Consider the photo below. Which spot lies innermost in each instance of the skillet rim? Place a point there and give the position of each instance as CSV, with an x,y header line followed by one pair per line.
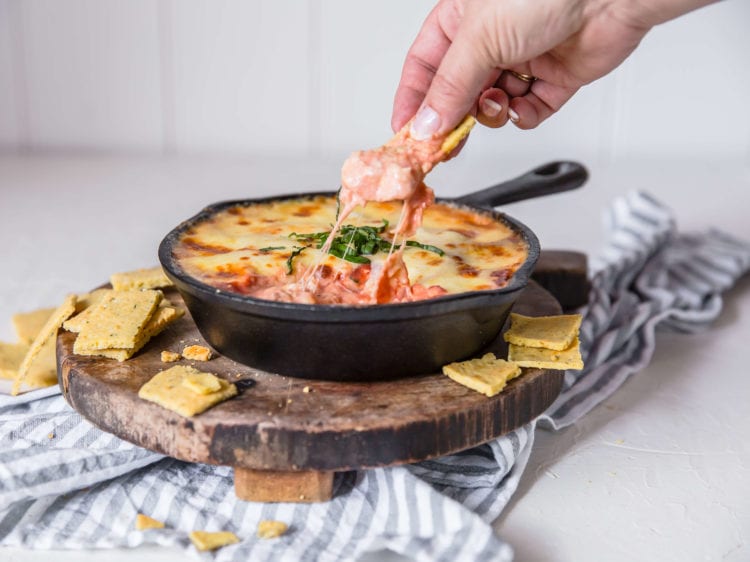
x,y
331,313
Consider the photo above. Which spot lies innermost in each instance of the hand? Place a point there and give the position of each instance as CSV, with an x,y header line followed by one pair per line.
x,y
465,56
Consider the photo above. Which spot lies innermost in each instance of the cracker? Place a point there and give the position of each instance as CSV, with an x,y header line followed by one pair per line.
x,y
167,390
11,356
549,332
162,318
43,371
87,300
203,540
48,331
547,358
117,321
29,324
170,356
143,522
85,308
269,529
152,278
202,383
487,374
196,353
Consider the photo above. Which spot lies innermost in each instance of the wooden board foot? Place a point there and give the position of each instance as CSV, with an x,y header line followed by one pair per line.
x,y
282,486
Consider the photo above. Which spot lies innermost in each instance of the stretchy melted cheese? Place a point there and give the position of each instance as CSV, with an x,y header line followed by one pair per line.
x,y
246,249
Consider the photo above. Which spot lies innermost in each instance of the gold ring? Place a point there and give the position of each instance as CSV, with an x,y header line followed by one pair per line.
x,y
528,78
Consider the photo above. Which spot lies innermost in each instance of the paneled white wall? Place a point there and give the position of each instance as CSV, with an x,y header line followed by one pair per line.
x,y
318,77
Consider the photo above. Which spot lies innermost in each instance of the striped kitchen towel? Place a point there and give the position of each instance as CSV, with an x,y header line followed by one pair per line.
x,y
65,484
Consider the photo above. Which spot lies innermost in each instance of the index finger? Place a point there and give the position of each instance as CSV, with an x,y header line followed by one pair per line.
x,y
422,62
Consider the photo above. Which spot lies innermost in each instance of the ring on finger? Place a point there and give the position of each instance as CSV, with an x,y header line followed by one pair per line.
x,y
528,78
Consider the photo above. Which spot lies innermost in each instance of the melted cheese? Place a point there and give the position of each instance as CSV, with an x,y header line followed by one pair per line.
x,y
245,249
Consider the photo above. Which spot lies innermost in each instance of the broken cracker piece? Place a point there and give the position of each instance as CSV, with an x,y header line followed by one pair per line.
x,y
549,332
151,278
269,529
196,353
170,356
117,321
547,358
204,540
487,374
29,324
48,331
168,391
143,522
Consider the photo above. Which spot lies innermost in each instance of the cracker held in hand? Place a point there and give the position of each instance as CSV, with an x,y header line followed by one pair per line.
x,y
186,391
487,375
549,332
203,540
547,358
117,321
152,278
46,333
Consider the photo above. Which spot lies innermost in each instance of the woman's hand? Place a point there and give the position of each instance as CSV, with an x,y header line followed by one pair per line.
x,y
469,54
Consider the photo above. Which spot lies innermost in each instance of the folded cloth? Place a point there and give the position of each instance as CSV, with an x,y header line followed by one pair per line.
x,y
66,484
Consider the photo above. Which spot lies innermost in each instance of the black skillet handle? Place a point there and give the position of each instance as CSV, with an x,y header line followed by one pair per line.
x,y
543,180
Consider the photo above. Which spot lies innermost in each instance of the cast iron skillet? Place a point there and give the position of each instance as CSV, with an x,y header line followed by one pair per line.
x,y
367,343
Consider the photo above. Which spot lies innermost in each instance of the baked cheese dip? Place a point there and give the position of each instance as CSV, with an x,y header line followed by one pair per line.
x,y
274,250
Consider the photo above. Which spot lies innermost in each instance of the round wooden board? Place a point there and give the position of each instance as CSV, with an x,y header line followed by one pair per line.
x,y
274,425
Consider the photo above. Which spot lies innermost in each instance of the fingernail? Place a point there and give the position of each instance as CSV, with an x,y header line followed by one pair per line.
x,y
513,116
425,124
491,108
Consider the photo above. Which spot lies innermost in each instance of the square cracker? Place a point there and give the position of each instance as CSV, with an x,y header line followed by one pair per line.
x,y
48,331
117,321
167,389
487,374
11,355
152,278
29,324
547,358
162,318
549,332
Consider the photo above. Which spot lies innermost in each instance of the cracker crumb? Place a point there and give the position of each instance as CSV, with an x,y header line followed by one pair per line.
x,y
269,529
196,353
203,540
170,356
307,390
50,436
143,522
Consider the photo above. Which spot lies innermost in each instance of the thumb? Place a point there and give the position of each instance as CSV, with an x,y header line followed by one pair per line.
x,y
458,82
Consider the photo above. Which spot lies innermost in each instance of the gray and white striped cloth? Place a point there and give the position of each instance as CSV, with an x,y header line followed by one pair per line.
x,y
66,484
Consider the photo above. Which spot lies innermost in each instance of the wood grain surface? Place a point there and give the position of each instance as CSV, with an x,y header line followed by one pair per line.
x,y
274,424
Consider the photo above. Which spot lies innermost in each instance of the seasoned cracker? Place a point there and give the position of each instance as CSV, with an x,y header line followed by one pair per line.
x,y
162,318
196,353
143,522
549,332
269,529
167,390
117,322
48,331
547,358
152,278
487,374
170,356
85,309
29,324
87,300
203,540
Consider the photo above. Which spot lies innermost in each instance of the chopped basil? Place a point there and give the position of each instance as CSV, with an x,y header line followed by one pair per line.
x,y
295,252
353,243
271,248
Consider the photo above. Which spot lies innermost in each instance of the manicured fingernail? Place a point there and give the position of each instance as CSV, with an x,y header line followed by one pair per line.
x,y
491,108
425,124
513,116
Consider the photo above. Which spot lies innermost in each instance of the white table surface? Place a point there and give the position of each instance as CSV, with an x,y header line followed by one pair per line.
x,y
659,471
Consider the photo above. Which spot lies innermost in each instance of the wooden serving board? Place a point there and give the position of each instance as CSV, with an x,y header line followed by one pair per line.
x,y
286,437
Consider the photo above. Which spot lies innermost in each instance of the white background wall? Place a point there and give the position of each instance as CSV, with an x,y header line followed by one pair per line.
x,y
318,78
